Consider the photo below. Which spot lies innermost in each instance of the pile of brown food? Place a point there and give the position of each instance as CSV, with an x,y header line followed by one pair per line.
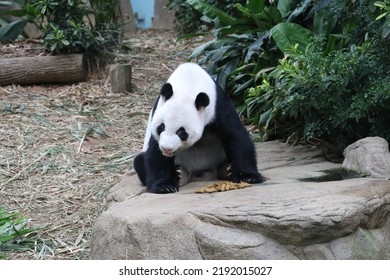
x,y
223,186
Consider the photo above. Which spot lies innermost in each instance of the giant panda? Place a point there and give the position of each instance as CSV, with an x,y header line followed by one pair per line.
x,y
194,127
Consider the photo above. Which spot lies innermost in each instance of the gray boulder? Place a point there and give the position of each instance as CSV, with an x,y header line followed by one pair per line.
x,y
283,218
369,156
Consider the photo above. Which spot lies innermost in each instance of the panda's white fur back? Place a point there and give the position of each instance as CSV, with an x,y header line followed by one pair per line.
x,y
187,81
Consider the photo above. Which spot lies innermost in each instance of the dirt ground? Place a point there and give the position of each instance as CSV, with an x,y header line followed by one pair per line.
x,y
63,146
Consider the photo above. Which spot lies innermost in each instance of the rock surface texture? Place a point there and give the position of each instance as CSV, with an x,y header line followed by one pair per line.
x,y
283,218
369,156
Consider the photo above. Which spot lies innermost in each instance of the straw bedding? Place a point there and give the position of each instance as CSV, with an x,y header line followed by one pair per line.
x,y
63,146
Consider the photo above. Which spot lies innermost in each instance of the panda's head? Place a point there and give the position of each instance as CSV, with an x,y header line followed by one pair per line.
x,y
179,119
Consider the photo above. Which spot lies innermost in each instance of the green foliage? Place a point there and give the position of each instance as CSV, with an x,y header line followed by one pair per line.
x,y
106,20
64,30
68,26
336,90
189,20
13,230
317,70
347,22
385,7
237,40
337,97
249,44
287,35
10,30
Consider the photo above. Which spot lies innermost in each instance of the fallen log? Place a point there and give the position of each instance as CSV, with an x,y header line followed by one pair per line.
x,y
43,70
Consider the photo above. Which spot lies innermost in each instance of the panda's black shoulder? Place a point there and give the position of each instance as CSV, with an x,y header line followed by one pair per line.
x,y
226,121
223,104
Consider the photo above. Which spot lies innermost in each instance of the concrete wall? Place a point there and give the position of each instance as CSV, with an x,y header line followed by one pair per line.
x,y
151,14
163,18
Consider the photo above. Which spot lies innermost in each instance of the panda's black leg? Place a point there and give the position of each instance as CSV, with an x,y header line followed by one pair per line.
x,y
244,169
161,170
239,148
242,158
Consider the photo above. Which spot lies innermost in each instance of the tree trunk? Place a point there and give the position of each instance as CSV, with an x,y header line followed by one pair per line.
x,y
120,78
43,70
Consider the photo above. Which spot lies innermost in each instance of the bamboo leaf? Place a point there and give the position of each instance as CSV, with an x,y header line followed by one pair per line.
x,y
12,30
226,70
265,118
284,7
244,10
287,35
15,13
190,36
256,47
380,16
214,44
300,10
255,6
219,16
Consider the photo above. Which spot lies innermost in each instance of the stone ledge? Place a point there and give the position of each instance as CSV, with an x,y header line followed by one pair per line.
x,y
283,218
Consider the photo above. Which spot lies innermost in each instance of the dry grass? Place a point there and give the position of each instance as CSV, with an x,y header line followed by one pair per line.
x,y
62,147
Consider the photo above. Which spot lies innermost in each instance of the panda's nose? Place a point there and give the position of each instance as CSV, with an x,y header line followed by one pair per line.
x,y
167,151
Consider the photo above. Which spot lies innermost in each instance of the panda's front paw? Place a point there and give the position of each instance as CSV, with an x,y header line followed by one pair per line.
x,y
178,173
163,188
248,178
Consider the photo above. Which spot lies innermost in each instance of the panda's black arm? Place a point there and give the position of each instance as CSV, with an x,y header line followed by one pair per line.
x,y
161,172
139,160
238,146
139,166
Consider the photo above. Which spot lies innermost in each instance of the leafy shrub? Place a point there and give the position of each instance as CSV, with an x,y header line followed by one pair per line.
x,y
353,19
385,7
64,30
186,19
334,90
336,98
249,44
189,20
67,26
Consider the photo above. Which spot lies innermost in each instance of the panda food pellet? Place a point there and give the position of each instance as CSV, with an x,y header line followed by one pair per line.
x,y
223,186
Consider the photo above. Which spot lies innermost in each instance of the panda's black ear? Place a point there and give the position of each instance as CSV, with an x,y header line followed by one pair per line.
x,y
166,91
202,100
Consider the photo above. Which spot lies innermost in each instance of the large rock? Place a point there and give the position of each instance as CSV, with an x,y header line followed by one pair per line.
x,y
369,156
283,218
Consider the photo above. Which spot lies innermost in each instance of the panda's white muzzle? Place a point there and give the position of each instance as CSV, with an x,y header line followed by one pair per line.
x,y
169,144
167,152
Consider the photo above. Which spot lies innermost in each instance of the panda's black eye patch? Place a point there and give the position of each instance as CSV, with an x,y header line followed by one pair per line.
x,y
160,128
182,133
